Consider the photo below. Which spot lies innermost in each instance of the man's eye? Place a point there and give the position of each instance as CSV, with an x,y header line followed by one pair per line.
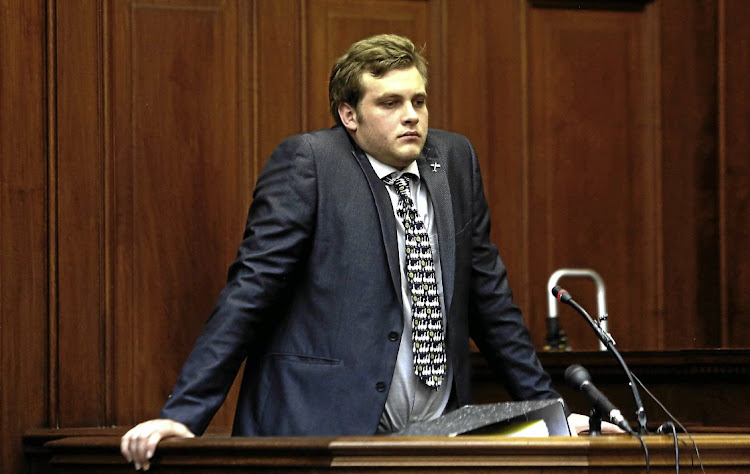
x,y
419,103
390,103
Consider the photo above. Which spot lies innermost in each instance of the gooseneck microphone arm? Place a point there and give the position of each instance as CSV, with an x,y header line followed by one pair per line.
x,y
563,296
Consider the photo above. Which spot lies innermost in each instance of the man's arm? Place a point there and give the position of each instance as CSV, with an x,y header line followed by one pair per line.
x,y
496,324
279,226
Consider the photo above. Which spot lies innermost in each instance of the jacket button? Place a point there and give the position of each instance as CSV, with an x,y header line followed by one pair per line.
x,y
380,386
393,336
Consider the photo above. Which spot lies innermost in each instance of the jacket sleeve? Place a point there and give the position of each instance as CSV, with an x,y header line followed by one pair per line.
x,y
275,243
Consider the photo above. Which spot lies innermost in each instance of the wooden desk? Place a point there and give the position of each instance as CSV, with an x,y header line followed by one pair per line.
x,y
92,452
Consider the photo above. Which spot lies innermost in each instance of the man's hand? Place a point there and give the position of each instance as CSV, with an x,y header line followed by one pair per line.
x,y
580,424
138,444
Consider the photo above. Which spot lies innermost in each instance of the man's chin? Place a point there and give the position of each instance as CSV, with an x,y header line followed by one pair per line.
x,y
399,158
411,152
407,159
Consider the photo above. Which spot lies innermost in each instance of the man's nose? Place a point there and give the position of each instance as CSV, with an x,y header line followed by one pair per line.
x,y
410,114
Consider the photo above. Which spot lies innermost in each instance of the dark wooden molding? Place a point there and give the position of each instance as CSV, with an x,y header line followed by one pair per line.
x,y
591,4
652,365
701,388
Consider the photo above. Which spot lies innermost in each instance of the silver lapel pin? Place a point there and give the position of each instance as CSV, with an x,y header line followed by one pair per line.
x,y
435,167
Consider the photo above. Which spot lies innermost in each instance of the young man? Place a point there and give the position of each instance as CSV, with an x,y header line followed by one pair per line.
x,y
365,268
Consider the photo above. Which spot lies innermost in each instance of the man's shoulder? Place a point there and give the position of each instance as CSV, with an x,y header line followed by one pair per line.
x,y
317,144
438,136
446,140
325,136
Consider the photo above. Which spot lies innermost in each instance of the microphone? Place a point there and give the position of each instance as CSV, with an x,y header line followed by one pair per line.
x,y
564,297
579,379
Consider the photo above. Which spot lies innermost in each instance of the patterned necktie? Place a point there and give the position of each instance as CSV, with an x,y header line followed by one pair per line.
x,y
428,341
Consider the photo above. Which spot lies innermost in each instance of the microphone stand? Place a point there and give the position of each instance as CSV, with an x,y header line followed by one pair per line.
x,y
595,422
564,297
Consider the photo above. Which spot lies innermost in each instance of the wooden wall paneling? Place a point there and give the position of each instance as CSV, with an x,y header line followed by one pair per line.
x,y
486,100
80,381
182,112
594,167
735,174
436,45
23,225
690,196
279,78
333,25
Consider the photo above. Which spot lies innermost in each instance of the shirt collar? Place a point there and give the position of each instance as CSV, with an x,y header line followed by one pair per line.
x,y
383,170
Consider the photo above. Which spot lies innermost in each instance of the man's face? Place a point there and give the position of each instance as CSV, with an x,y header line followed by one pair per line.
x,y
390,121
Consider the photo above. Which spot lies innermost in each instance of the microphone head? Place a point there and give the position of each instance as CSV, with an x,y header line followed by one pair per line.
x,y
561,294
576,375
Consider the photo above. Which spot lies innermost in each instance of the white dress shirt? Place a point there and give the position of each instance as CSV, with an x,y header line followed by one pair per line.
x,y
409,399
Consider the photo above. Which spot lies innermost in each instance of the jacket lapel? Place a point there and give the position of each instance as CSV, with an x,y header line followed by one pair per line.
x,y
435,177
385,214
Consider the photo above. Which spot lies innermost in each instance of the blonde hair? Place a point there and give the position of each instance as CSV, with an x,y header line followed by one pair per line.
x,y
376,55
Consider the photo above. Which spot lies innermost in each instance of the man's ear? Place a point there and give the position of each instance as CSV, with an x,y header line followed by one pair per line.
x,y
348,115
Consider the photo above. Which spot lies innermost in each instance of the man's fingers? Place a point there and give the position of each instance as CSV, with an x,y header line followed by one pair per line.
x,y
125,446
144,444
150,445
580,424
139,444
610,428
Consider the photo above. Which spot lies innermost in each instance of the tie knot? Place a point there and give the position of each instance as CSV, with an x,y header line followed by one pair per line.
x,y
400,184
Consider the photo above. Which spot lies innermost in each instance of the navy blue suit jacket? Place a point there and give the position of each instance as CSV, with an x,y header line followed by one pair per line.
x,y
313,297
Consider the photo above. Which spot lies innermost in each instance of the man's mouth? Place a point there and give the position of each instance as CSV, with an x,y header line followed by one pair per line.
x,y
410,134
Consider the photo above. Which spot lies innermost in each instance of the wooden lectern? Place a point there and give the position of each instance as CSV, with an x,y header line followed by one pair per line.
x,y
98,451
